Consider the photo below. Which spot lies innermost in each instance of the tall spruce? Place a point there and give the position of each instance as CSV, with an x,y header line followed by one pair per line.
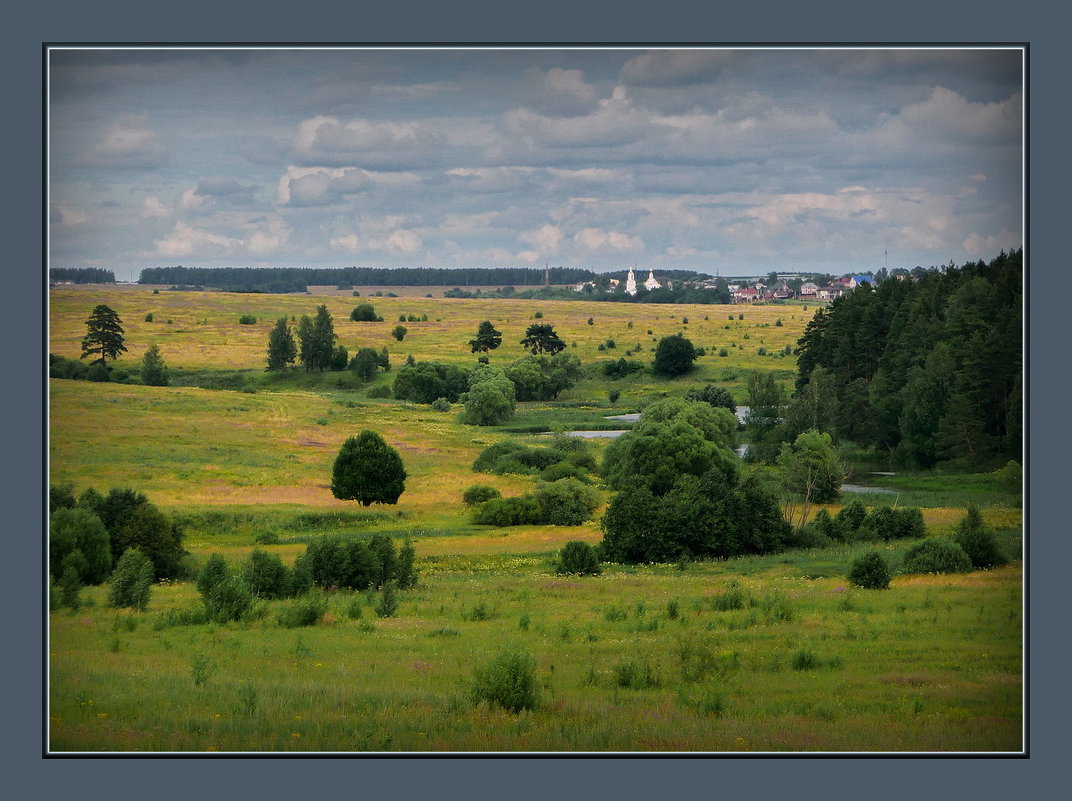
x,y
104,335
282,350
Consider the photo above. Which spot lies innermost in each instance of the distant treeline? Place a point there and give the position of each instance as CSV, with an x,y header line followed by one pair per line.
x,y
297,279
81,275
930,370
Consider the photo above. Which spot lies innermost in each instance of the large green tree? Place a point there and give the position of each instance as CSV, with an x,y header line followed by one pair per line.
x,y
674,355
490,399
368,470
317,340
282,350
487,338
104,335
810,468
78,530
541,338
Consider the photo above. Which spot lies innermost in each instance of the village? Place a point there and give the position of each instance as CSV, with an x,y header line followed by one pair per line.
x,y
785,287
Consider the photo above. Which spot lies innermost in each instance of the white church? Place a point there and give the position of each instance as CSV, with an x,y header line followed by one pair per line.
x,y
631,285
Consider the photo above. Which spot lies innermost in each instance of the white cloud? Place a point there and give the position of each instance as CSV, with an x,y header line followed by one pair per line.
x,y
325,140
348,243
129,142
319,186
547,239
674,66
403,242
152,206
982,246
594,241
185,240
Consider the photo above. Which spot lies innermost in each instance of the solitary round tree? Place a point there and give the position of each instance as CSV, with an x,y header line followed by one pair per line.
x,y
104,335
368,470
674,355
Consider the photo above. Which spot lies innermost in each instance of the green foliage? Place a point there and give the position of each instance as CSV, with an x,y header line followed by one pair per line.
x,y
267,576
810,467
577,558
441,405
405,566
365,313
355,564
508,681
153,370
304,611
388,603
541,338
381,391
399,332
544,377
870,571
478,493
133,522
423,382
887,523
131,581
635,674
621,368
674,356
487,338
567,502
715,396
490,399
936,555
149,317
282,349
104,335
673,438
365,362
519,511
214,571
714,516
978,541
247,319
766,408
849,519
368,470
79,530
70,582
229,599
61,497
339,358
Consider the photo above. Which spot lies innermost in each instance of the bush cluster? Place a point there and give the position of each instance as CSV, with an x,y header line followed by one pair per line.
x,y
936,555
870,571
854,523
578,558
358,564
978,541
565,457
621,368
508,681
567,502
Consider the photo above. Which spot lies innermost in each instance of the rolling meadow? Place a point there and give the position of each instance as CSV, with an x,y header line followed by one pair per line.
x,y
775,653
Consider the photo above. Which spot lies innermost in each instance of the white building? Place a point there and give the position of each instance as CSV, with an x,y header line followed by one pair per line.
x,y
651,283
630,283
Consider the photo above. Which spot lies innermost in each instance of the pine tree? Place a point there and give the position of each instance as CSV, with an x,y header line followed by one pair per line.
x,y
487,338
104,335
282,350
153,370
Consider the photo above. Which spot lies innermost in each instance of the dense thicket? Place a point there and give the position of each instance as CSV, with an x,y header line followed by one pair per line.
x,y
81,275
930,370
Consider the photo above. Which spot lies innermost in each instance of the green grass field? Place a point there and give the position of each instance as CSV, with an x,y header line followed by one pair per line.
x,y
638,659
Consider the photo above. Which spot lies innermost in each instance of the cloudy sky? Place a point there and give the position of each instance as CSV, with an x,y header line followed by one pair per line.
x,y
735,161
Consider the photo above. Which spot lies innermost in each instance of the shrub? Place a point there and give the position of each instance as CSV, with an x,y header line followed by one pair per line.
x,y
131,581
381,391
520,511
441,405
267,576
936,555
635,675
848,520
388,603
70,579
977,541
149,317
478,493
365,313
508,681
79,530
304,611
405,569
399,332
565,503
229,599
886,523
247,319
577,558
214,571
621,368
716,396
870,571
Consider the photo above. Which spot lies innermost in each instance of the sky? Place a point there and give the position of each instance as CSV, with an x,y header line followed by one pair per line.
x,y
724,161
